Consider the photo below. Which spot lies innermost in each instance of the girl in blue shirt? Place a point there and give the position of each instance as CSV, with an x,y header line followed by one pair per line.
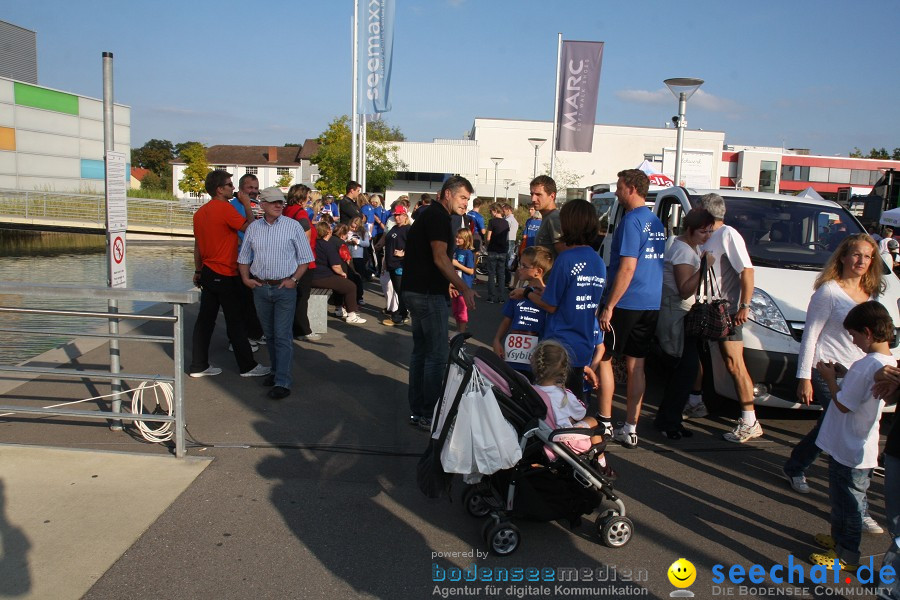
x,y
464,263
572,294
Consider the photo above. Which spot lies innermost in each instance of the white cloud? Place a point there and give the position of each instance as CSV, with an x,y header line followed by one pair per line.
x,y
663,96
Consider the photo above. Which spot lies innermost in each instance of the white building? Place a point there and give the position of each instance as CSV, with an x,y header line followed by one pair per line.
x,y
614,148
268,163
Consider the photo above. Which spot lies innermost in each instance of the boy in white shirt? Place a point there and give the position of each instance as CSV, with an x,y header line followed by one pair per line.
x,y
849,433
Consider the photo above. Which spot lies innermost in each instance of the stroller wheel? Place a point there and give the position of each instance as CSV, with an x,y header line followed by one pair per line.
x,y
503,538
616,531
474,503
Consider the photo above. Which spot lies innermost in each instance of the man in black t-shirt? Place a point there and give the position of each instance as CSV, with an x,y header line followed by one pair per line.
x,y
427,273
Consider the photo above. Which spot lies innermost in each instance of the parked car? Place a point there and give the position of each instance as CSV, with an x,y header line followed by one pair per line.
x,y
789,240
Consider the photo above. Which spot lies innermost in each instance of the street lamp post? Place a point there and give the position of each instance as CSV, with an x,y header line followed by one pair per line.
x,y
496,161
537,143
683,88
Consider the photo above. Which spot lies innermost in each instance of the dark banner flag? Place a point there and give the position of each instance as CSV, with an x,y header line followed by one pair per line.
x,y
579,81
376,49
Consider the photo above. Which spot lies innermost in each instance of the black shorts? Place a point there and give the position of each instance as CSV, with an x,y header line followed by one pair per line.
x,y
632,333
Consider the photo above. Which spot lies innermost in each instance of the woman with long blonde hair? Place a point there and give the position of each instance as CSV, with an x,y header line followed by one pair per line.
x,y
852,275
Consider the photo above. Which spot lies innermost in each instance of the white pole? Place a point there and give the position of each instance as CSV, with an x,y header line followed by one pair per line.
x,y
363,136
109,145
354,133
555,105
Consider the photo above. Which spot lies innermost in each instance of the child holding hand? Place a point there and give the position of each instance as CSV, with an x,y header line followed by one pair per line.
x,y
464,263
849,433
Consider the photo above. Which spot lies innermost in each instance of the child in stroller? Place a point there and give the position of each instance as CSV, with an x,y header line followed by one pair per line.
x,y
550,365
551,481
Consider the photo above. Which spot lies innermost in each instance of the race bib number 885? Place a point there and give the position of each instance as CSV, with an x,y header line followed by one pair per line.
x,y
518,347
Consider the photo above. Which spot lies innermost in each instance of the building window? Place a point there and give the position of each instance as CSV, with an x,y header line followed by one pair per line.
x,y
314,177
251,170
767,175
839,175
794,173
818,174
282,171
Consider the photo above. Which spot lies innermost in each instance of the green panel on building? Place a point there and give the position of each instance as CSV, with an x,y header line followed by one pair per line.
x,y
36,97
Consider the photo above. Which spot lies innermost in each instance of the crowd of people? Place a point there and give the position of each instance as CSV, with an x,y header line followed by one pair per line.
x,y
555,288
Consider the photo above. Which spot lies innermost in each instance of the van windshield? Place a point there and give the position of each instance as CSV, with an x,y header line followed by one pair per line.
x,y
789,234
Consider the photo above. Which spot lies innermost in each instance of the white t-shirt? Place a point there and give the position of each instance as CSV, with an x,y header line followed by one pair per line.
x,y
513,228
679,253
824,336
851,438
727,245
566,407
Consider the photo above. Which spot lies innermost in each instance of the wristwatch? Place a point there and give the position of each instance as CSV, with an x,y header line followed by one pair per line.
x,y
743,305
528,289
294,279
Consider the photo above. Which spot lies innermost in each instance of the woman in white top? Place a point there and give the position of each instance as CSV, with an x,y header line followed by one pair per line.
x,y
851,276
681,276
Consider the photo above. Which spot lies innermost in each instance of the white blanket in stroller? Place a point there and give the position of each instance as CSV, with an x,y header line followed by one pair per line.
x,y
481,441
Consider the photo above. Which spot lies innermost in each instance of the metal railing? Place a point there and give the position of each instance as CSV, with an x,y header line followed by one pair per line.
x,y
89,209
176,300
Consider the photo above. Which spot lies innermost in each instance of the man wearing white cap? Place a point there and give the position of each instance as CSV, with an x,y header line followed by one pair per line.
x,y
273,257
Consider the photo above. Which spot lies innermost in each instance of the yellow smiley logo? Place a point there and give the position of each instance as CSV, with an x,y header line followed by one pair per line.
x,y
682,573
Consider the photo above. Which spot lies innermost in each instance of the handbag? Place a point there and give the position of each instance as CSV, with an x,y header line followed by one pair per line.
x,y
709,317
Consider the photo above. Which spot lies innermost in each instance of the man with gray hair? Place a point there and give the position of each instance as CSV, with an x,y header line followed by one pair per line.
x,y
735,279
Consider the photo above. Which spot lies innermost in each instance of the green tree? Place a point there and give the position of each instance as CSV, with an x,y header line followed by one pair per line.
x,y
285,179
895,155
880,153
333,156
154,155
856,153
194,154
180,148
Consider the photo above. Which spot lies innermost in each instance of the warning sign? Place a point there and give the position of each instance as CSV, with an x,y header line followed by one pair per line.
x,y
117,274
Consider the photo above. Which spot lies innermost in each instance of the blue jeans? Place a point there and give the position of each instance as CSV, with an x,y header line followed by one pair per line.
x,y
275,307
496,272
431,347
847,489
892,508
806,452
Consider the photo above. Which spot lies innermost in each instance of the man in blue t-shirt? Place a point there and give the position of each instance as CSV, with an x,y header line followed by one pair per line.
x,y
632,305
480,231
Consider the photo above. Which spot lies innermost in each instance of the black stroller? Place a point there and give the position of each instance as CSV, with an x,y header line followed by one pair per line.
x,y
550,482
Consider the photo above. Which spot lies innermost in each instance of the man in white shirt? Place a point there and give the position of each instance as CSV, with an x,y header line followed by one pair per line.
x,y
735,279
511,238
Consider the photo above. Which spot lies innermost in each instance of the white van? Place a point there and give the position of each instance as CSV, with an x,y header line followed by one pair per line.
x,y
789,240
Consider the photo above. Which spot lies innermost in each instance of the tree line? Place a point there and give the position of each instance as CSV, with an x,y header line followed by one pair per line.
x,y
880,153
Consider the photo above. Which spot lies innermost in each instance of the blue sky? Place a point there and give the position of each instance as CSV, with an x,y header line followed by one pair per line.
x,y
803,73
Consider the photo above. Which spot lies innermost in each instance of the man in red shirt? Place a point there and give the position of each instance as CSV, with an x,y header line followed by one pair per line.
x,y
216,224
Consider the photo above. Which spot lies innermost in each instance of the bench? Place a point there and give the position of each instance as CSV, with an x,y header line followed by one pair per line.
x,y
317,310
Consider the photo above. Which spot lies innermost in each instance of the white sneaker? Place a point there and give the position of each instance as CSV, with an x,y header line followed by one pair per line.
x,y
312,337
257,371
798,483
209,372
340,313
870,525
361,302
355,319
743,433
629,440
260,342
254,346
694,411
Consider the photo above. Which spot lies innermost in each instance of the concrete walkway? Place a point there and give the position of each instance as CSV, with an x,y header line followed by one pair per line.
x,y
315,496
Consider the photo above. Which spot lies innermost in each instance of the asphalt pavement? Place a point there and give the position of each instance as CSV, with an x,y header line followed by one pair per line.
x,y
315,496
